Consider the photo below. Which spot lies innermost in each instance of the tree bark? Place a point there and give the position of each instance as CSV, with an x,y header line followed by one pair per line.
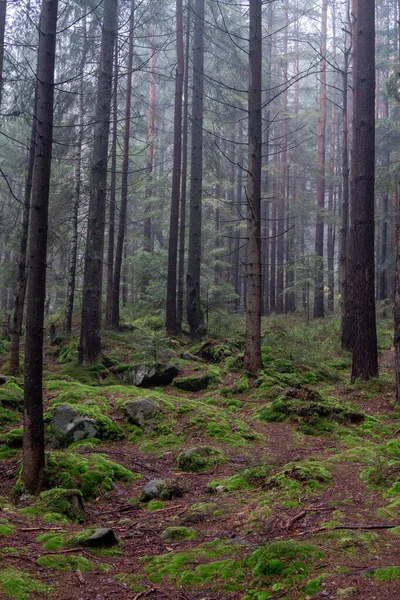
x,y
69,305
124,178
90,341
319,227
252,354
194,311
3,11
18,317
172,322
365,355
113,196
147,233
182,216
33,433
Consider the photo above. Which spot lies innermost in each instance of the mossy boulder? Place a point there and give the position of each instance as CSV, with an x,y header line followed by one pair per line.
x,y
193,383
70,424
175,534
13,438
147,374
64,502
198,513
140,412
199,459
160,488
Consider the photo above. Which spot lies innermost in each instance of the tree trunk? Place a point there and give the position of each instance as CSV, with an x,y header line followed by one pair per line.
x,y
147,233
281,199
194,311
90,341
69,305
33,434
252,354
397,309
319,227
172,322
365,356
3,11
16,330
344,283
124,178
182,216
113,196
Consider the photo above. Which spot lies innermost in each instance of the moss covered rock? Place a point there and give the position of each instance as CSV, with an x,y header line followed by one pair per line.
x,y
174,534
65,502
146,374
193,383
197,460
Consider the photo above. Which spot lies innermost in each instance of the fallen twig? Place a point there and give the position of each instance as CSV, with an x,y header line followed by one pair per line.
x,y
349,527
144,594
41,529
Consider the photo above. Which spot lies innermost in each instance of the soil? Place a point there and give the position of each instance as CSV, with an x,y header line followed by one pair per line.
x,y
139,529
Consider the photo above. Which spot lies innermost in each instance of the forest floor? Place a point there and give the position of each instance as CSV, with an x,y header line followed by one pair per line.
x,y
301,502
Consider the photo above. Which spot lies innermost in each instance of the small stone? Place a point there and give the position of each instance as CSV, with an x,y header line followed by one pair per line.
x,y
102,538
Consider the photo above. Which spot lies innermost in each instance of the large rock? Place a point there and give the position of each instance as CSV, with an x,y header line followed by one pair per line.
x,y
148,375
193,383
102,538
140,412
69,423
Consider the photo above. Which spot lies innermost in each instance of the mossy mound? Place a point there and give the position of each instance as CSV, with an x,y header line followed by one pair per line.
x,y
288,562
91,475
217,563
68,503
175,534
20,586
307,473
200,459
311,410
212,351
198,513
11,396
65,562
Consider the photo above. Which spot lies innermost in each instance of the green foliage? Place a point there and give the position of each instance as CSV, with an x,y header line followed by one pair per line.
x,y
19,585
11,396
68,503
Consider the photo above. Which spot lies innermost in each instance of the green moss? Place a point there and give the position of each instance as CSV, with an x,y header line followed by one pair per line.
x,y
65,562
290,561
6,529
64,502
11,396
230,484
386,574
155,505
173,534
107,430
309,473
7,417
179,567
19,585
13,438
198,513
311,410
199,459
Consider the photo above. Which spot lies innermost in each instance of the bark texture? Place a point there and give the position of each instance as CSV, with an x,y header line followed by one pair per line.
x,y
365,356
90,341
194,311
252,355
33,436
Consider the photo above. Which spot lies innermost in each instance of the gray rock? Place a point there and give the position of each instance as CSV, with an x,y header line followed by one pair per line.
x,y
147,375
71,424
153,489
140,412
102,538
